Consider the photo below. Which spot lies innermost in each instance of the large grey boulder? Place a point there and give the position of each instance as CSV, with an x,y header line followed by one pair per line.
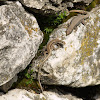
x,y
18,94
8,85
20,37
78,63
85,1
44,7
56,1
47,7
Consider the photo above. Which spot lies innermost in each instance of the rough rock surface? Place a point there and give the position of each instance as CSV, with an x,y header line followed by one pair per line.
x,y
78,63
97,97
56,1
46,7
18,94
8,85
85,1
20,37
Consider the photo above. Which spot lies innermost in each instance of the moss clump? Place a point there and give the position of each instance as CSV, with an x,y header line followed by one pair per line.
x,y
26,81
93,4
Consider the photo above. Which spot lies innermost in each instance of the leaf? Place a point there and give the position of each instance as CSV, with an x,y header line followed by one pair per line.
x,y
27,75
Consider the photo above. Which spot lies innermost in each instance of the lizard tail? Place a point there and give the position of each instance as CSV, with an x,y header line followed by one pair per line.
x,y
40,71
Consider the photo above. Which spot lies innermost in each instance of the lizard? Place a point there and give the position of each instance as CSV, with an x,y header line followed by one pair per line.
x,y
50,48
79,11
75,22
49,51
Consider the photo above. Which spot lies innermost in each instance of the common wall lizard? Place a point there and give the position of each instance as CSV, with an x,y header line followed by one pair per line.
x,y
49,51
75,22
79,11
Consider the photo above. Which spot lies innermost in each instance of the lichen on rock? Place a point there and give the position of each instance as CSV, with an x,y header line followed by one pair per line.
x,y
20,37
77,64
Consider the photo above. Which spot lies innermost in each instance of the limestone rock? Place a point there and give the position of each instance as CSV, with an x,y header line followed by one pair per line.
x,y
1,93
54,7
97,96
18,94
20,37
85,1
8,85
58,96
56,1
38,4
78,63
45,7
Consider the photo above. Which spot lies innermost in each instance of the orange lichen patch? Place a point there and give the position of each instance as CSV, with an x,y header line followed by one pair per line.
x,y
22,22
11,26
29,30
65,48
35,29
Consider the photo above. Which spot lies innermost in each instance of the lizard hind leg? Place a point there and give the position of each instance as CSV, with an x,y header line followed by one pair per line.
x,y
45,53
83,22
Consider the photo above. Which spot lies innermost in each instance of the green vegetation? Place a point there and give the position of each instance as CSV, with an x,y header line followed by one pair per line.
x,y
53,22
60,18
29,77
93,4
48,30
47,25
26,80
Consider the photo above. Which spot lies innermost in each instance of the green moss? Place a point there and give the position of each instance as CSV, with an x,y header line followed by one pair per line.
x,y
69,16
93,4
33,85
26,81
48,24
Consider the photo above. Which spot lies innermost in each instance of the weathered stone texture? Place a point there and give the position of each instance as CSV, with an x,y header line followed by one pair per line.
x,y
20,37
18,94
54,7
78,63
